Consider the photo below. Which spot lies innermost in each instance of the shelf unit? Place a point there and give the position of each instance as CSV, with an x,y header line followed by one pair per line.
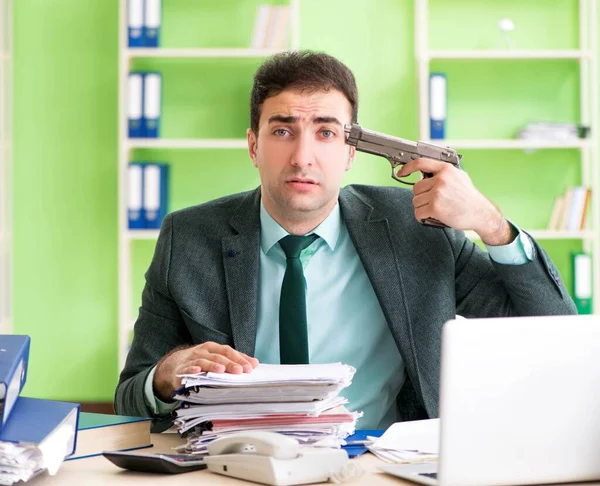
x,y
6,326
126,236
586,55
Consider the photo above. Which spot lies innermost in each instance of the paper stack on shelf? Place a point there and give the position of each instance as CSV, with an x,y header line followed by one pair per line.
x,y
552,131
301,401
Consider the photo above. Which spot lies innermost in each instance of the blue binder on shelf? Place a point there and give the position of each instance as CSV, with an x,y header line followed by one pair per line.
x,y
152,105
39,422
135,104
14,358
438,104
152,16
135,23
136,218
582,282
155,194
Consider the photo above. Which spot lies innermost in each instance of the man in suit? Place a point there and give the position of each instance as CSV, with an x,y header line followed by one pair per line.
x,y
379,285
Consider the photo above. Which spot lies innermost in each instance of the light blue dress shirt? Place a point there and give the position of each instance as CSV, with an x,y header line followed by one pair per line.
x,y
345,320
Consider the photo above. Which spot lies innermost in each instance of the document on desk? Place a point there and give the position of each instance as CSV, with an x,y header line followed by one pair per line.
x,y
403,442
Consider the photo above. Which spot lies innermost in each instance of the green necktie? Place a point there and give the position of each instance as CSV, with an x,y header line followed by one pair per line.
x,y
293,333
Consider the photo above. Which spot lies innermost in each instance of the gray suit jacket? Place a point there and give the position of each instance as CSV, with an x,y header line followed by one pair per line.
x,y
202,285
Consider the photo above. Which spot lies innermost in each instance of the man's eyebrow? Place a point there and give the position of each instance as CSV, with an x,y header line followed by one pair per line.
x,y
290,119
283,119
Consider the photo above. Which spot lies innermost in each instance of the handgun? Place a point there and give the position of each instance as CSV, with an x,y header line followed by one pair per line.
x,y
399,152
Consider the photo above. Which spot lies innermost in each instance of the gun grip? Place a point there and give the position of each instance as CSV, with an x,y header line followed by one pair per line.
x,y
433,223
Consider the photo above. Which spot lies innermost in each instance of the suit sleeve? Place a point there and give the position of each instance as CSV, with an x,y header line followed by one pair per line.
x,y
485,288
158,330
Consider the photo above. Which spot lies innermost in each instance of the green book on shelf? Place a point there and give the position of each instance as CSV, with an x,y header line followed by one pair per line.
x,y
98,432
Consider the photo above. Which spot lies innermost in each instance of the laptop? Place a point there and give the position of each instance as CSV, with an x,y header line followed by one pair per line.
x,y
519,403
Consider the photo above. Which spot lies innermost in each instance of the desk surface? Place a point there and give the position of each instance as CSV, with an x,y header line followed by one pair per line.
x,y
99,471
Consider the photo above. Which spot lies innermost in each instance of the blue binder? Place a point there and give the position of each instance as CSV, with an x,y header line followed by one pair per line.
x,y
34,421
136,218
152,15
14,357
438,94
135,104
152,104
135,22
155,194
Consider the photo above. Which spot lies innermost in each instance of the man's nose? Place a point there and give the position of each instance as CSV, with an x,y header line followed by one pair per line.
x,y
303,154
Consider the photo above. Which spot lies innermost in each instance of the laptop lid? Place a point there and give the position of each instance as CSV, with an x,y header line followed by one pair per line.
x,y
520,401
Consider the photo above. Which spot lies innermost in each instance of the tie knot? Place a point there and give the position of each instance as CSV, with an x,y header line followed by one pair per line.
x,y
293,245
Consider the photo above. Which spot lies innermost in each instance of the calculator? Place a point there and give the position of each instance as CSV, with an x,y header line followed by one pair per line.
x,y
156,463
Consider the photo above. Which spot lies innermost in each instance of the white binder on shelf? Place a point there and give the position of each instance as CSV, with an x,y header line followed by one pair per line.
x,y
155,194
438,104
135,90
152,104
152,18
135,194
135,20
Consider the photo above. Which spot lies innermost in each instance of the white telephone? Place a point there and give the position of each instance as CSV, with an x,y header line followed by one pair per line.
x,y
272,458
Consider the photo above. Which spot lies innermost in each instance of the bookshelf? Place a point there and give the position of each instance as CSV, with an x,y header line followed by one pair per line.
x,y
191,55
5,166
584,55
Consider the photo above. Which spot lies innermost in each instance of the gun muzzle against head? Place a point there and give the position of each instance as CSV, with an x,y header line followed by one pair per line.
x,y
399,152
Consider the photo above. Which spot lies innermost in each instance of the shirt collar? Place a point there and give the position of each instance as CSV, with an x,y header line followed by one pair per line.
x,y
271,232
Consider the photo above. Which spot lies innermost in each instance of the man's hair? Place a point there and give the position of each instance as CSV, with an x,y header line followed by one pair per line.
x,y
303,71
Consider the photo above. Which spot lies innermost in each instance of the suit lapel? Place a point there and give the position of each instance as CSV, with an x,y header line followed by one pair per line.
x,y
241,254
373,243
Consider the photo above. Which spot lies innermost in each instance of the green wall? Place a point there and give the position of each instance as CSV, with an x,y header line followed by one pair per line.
x,y
65,140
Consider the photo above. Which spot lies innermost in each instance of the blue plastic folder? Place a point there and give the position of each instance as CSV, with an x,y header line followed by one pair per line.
x,y
356,449
14,356
33,421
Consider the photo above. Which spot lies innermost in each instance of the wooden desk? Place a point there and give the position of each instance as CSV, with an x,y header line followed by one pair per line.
x,y
98,471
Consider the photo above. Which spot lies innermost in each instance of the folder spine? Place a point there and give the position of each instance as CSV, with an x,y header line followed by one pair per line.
x,y
135,101
135,196
438,92
152,19
135,19
14,359
582,282
152,104
155,194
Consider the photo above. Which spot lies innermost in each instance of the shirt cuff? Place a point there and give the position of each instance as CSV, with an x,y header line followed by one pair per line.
x,y
518,252
158,406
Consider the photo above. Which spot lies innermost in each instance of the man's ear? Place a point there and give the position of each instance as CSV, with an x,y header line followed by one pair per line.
x,y
351,155
252,143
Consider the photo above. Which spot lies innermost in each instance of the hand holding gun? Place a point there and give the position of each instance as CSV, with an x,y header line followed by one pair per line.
x,y
399,152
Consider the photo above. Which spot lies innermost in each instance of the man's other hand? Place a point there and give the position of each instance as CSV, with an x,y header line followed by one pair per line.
x,y
208,356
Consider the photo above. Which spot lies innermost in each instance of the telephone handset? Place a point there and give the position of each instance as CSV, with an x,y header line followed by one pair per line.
x,y
271,458
277,446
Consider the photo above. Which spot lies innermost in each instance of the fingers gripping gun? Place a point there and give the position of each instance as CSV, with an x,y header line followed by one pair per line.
x,y
399,152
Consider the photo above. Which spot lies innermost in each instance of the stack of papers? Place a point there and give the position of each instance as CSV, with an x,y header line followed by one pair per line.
x,y
301,401
552,131
408,442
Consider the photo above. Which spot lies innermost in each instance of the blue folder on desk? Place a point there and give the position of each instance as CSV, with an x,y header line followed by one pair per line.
x,y
14,354
35,421
354,450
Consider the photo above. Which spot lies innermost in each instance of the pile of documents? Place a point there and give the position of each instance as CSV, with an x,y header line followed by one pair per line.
x,y
408,442
301,401
35,435
552,131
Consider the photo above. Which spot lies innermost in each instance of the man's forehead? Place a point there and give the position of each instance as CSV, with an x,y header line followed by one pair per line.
x,y
307,105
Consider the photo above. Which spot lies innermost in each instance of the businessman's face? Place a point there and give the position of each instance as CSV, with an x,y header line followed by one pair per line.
x,y
301,154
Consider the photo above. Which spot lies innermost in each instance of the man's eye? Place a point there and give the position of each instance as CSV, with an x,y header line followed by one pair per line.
x,y
327,133
281,132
